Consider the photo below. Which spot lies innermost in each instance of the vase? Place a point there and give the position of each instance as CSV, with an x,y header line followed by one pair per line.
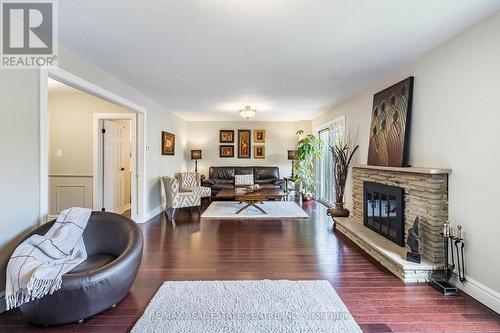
x,y
338,211
306,197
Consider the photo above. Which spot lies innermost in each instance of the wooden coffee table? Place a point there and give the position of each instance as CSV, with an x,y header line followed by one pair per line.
x,y
251,199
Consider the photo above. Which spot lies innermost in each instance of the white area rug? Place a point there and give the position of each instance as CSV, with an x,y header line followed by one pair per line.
x,y
275,210
247,307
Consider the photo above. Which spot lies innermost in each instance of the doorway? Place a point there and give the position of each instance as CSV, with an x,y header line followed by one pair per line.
x,y
133,119
114,147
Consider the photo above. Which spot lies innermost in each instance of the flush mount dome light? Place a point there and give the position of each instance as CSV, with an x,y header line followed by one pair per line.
x,y
248,112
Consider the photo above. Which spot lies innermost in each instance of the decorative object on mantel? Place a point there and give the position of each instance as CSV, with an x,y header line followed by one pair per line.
x,y
308,148
390,126
342,153
413,242
454,246
244,143
167,143
248,112
292,157
196,155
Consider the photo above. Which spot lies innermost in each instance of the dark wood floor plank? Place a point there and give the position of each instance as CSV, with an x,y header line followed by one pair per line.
x,y
279,249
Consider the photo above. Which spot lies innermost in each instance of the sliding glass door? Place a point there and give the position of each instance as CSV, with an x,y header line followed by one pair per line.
x,y
329,134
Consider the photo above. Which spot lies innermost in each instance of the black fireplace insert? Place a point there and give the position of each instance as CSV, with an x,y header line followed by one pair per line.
x,y
384,209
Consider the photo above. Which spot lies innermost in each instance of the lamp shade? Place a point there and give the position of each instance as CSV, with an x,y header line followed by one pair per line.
x,y
196,154
291,154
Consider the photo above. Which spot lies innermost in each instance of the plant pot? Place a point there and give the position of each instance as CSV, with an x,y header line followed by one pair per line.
x,y
338,211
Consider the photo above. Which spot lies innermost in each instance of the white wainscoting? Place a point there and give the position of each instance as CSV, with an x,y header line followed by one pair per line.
x,y
69,191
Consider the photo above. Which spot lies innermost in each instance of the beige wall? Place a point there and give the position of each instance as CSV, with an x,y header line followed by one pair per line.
x,y
19,167
71,121
280,137
455,124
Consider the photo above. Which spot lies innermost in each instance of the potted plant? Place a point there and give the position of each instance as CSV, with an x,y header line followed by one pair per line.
x,y
308,148
342,153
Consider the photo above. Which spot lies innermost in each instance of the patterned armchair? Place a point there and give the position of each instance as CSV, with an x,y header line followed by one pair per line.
x,y
177,199
191,182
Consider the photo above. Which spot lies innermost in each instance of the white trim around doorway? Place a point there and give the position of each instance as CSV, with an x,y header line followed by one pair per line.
x,y
92,89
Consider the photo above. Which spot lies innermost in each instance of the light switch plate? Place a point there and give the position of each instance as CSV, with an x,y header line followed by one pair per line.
x,y
59,152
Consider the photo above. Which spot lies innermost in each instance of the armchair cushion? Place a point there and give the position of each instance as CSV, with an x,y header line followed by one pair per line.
x,y
188,180
202,191
187,199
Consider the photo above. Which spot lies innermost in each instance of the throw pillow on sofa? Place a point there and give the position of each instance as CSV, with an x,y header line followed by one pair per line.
x,y
243,180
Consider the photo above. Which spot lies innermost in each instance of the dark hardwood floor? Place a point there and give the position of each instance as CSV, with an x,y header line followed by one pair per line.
x,y
296,250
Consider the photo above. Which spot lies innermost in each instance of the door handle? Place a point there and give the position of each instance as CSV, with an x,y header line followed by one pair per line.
x,y
122,169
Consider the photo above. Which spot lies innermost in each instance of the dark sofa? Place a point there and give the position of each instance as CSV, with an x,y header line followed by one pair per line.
x,y
223,177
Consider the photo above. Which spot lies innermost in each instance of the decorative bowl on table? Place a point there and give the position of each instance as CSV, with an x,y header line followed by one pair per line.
x,y
252,188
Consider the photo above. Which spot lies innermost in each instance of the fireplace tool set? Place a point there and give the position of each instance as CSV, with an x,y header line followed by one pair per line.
x,y
453,244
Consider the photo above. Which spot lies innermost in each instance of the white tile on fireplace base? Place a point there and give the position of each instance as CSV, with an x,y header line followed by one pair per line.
x,y
389,254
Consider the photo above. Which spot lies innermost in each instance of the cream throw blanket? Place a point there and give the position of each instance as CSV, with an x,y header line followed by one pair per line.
x,y
37,265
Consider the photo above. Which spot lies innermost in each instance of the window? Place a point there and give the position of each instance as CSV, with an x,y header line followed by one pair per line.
x,y
328,133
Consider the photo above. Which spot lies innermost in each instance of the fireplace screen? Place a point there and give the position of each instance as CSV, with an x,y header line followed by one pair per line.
x,y
383,207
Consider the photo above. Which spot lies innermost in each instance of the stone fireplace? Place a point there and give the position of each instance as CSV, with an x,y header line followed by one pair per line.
x,y
424,193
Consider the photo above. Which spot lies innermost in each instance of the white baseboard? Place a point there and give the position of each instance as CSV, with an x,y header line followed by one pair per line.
x,y
152,213
478,291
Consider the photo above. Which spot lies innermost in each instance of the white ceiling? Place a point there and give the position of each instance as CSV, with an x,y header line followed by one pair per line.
x,y
289,59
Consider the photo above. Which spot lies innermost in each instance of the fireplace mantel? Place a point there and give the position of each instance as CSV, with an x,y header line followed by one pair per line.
x,y
424,171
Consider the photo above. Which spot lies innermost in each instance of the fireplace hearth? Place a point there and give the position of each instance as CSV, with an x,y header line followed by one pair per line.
x,y
383,207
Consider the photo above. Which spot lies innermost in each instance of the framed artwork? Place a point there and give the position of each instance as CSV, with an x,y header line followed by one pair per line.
x,y
226,136
226,151
390,126
167,143
259,136
244,143
259,152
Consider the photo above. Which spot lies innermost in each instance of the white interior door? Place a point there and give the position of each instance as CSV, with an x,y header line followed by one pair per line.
x,y
114,172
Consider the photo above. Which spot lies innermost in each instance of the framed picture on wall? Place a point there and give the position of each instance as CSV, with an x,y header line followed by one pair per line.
x,y
259,152
259,136
167,143
226,136
390,126
226,151
244,143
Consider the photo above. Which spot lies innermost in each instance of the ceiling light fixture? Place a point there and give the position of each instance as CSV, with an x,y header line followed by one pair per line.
x,y
248,112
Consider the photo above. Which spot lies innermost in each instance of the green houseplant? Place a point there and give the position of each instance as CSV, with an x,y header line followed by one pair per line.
x,y
342,153
308,148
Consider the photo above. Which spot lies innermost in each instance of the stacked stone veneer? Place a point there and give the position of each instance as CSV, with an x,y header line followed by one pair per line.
x,y
425,195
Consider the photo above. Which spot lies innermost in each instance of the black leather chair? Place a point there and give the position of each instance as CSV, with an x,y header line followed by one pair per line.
x,y
114,247
223,177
